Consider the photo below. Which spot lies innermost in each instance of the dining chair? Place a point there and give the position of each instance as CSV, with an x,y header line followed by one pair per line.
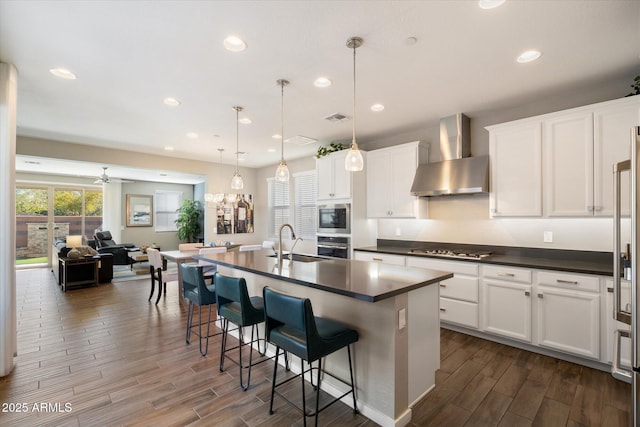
x,y
290,325
209,269
157,272
245,248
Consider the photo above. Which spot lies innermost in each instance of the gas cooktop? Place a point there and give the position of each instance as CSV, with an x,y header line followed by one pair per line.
x,y
452,253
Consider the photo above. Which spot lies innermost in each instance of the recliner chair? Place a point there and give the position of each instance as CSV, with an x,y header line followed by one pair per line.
x,y
106,245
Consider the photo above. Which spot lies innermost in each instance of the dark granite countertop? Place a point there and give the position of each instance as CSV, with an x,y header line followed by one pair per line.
x,y
367,281
585,262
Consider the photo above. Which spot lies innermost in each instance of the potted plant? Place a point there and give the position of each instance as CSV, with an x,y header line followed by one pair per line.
x,y
187,221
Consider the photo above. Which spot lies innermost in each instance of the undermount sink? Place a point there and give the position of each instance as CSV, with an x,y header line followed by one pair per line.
x,y
300,257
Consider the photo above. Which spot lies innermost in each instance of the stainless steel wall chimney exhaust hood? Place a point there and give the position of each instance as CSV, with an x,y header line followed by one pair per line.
x,y
457,173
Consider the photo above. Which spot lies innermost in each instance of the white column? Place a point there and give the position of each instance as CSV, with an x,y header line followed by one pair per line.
x,y
112,210
8,106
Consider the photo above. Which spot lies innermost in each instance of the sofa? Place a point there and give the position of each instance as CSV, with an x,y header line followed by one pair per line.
x,y
78,272
106,245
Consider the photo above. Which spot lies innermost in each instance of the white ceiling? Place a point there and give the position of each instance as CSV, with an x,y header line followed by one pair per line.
x,y
130,55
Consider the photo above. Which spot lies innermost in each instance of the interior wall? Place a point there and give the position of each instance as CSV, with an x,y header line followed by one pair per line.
x,y
465,219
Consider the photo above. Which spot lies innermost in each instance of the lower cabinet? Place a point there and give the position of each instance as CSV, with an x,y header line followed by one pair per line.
x,y
458,295
380,257
506,309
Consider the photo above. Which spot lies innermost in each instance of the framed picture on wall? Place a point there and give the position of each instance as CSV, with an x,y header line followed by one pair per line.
x,y
139,210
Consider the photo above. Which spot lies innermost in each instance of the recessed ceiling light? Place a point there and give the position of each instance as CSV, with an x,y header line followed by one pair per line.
x,y
172,102
271,150
377,107
245,121
528,56
168,148
276,136
63,73
489,4
192,135
322,82
234,44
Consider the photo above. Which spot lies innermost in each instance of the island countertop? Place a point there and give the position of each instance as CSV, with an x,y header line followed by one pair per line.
x,y
367,281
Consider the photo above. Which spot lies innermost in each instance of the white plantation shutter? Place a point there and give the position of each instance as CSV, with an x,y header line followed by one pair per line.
x,y
165,205
278,205
305,212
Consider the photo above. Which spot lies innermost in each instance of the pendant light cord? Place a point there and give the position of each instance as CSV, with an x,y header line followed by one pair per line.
x,y
353,142
282,84
237,136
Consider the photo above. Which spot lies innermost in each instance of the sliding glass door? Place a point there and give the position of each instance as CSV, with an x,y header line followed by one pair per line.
x,y
44,214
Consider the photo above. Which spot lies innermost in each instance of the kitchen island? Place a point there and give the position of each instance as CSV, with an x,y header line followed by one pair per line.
x,y
394,309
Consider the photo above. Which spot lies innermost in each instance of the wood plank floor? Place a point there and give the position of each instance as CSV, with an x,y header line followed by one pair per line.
x,y
118,360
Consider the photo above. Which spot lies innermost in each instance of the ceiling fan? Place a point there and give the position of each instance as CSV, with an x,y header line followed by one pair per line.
x,y
105,179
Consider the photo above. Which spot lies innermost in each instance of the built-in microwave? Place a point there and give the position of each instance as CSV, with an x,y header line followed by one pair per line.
x,y
334,218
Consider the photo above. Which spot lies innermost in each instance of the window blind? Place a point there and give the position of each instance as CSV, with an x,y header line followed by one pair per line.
x,y
278,205
165,205
305,211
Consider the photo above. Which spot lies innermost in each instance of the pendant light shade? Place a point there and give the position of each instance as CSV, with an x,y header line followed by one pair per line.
x,y
236,181
354,162
282,172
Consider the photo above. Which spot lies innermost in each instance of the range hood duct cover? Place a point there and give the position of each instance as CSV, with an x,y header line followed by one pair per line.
x,y
457,173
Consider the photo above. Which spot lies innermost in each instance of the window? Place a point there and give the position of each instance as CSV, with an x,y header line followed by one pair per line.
x,y
305,204
278,205
166,205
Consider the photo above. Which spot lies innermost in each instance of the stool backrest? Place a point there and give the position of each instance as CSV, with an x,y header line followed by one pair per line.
x,y
155,259
233,290
281,309
193,284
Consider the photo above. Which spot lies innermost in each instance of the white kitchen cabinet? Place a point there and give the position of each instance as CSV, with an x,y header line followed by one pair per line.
x,y
390,173
612,123
380,257
334,181
610,324
568,164
568,312
516,169
458,295
506,302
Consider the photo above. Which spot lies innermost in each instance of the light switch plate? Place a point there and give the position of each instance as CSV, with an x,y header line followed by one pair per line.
x,y
398,231
402,318
547,237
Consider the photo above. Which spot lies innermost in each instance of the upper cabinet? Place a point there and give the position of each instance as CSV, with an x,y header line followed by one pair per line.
x,y
390,173
566,156
334,181
516,169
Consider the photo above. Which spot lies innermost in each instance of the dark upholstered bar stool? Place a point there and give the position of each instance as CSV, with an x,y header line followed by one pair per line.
x,y
290,325
237,307
200,294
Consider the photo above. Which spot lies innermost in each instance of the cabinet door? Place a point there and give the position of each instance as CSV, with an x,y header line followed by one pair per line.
x,y
404,161
324,170
568,164
612,137
569,321
460,312
516,170
379,178
341,177
506,309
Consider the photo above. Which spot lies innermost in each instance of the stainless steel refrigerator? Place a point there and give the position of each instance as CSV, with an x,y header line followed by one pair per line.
x,y
625,264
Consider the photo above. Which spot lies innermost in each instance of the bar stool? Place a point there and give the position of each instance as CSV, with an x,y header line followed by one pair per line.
x,y
237,307
197,292
291,325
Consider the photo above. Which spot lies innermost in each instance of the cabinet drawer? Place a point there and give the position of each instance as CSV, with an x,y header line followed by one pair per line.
x,y
507,273
458,267
460,312
460,287
382,258
569,281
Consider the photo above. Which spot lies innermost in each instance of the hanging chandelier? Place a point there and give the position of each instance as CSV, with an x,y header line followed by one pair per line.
x,y
282,172
354,162
236,181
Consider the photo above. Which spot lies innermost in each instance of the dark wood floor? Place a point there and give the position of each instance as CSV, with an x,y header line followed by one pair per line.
x,y
118,360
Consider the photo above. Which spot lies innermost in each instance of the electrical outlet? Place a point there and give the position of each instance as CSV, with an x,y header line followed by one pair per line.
x,y
547,237
402,318
398,231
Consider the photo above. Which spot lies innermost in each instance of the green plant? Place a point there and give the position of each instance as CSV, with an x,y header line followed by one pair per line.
x,y
331,148
635,86
187,221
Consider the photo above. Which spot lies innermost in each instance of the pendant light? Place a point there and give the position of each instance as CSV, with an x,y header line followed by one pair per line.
x,y
236,181
282,172
354,162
